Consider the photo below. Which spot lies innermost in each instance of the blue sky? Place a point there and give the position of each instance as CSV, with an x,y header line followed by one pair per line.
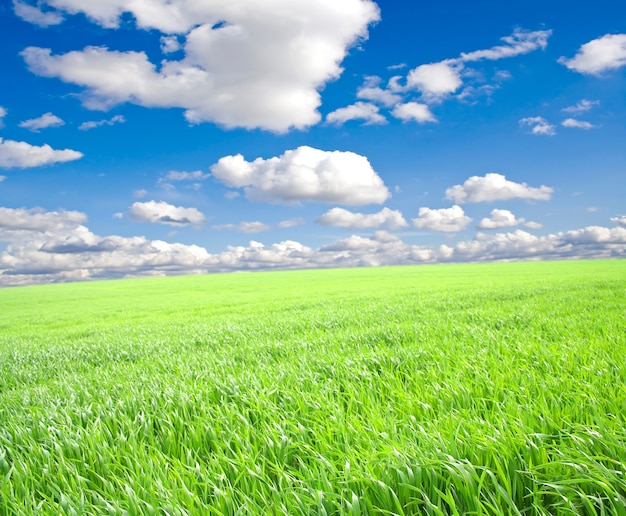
x,y
154,138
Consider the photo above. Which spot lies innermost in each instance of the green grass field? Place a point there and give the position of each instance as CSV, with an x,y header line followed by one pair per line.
x,y
450,389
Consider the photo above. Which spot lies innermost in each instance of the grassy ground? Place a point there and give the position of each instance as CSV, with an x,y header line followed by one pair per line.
x,y
455,389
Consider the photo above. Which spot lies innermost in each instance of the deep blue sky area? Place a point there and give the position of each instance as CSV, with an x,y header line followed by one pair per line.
x,y
193,137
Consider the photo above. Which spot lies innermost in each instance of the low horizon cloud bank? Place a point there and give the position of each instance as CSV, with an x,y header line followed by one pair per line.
x,y
56,246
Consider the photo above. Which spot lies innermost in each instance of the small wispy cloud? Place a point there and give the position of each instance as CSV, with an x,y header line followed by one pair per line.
x,y
117,119
538,125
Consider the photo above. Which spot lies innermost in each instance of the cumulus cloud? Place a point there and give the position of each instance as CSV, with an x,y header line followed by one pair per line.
x,y
599,55
495,187
435,80
304,174
445,219
619,221
170,44
438,80
15,154
500,219
339,217
244,227
44,121
164,213
246,64
371,90
413,111
538,125
117,119
358,111
581,107
56,246
35,15
577,124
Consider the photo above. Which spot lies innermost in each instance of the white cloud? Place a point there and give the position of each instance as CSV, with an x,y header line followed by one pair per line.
x,y
3,113
117,119
577,124
371,90
24,155
520,42
532,225
290,223
538,125
247,64
500,219
140,194
35,15
164,213
495,187
44,121
599,55
413,111
244,227
435,80
619,221
196,175
357,111
55,246
339,217
445,219
2,178
304,174
581,107
170,44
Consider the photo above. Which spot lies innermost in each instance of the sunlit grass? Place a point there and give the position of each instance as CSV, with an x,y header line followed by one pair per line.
x,y
457,389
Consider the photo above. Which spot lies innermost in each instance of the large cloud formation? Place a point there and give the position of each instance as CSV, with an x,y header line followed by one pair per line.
x,y
56,246
247,64
304,174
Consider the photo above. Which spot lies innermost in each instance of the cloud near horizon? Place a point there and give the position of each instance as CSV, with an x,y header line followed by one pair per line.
x,y
495,187
49,247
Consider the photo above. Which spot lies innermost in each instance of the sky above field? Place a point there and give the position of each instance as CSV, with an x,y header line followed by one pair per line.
x,y
184,136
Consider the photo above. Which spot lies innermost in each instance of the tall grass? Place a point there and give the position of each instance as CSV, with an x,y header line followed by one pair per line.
x,y
470,390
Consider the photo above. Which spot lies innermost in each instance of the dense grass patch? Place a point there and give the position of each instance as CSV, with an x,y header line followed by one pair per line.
x,y
456,389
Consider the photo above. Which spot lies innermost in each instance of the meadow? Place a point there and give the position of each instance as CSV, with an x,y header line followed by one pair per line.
x,y
476,389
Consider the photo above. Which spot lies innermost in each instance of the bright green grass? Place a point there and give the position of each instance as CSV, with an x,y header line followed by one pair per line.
x,y
455,389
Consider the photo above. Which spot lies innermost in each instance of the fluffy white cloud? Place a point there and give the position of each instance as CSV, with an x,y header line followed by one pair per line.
x,y
445,219
357,111
581,107
304,174
24,155
244,227
413,111
500,219
495,187
117,119
42,122
164,213
577,124
55,246
435,80
35,15
170,44
247,64
538,125
619,221
339,217
599,55
371,90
